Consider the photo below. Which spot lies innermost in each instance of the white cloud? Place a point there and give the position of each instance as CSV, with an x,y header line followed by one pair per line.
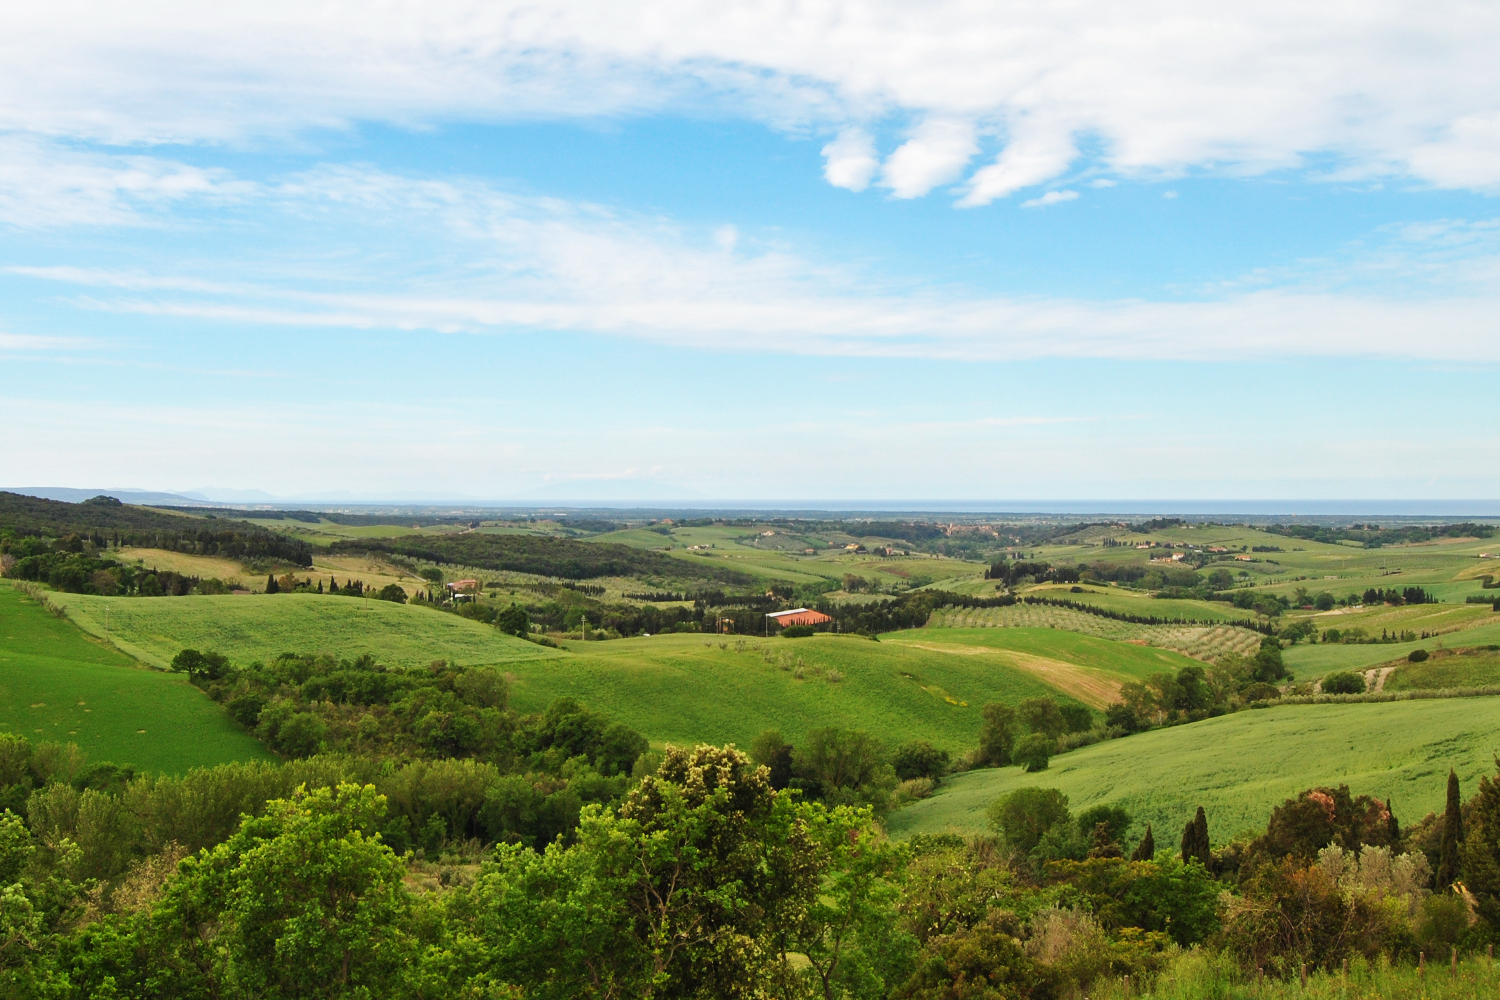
x,y
850,160
1050,198
45,184
1026,160
1160,88
936,153
33,342
535,264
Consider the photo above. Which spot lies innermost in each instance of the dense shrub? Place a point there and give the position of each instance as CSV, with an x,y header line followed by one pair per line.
x,y
1416,656
1343,682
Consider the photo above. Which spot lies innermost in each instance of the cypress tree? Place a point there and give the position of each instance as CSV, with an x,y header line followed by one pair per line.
x,y
271,585
1200,830
1453,832
1146,849
1195,845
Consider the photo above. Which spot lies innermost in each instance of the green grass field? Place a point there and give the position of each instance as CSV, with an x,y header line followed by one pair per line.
x,y
252,627
674,688
1309,661
1240,766
57,684
1470,670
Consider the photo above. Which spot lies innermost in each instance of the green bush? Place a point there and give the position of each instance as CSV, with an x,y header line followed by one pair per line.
x,y
1345,682
1025,815
919,759
796,631
1416,656
1032,751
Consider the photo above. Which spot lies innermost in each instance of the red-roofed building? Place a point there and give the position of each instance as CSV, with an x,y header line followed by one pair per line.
x,y
799,616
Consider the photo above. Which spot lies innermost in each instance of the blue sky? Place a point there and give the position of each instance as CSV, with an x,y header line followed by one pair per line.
x,y
752,251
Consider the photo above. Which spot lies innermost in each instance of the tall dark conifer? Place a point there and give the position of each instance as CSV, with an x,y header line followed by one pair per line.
x,y
271,585
1200,835
1146,849
1453,832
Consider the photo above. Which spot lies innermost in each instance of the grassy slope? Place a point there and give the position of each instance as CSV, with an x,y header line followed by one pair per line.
x,y
1240,766
259,627
1469,671
1307,662
673,688
57,684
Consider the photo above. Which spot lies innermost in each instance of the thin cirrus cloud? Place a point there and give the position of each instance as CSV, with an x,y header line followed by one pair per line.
x,y
541,264
1377,89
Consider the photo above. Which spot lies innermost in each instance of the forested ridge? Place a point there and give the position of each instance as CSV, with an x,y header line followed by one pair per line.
x,y
105,521
556,557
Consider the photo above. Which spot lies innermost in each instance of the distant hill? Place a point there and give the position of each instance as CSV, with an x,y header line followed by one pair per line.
x,y
68,494
107,521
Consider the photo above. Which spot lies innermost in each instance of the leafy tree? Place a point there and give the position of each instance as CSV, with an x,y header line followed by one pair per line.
x,y
919,759
676,896
200,666
997,734
847,930
1041,715
1343,682
304,901
1301,827
392,592
1267,664
844,766
770,751
1077,718
1117,819
1025,815
514,621
1033,751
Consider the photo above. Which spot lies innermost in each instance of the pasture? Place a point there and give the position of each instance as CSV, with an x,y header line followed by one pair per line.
x,y
251,627
689,689
57,684
1470,668
1238,767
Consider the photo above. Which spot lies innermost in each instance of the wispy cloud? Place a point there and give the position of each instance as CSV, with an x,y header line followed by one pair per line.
x,y
483,260
1050,198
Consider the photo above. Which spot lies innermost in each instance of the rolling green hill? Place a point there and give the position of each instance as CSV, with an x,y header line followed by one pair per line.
x,y
251,627
57,684
689,689
1240,766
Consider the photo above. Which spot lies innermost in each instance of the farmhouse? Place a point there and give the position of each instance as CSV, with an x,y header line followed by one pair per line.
x,y
463,589
798,616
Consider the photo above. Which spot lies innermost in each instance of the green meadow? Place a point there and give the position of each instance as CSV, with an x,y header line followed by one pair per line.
x,y
1238,767
250,627
1467,670
690,689
58,684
